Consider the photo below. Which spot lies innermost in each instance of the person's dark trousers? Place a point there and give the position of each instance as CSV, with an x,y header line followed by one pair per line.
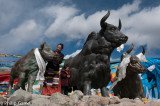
x,y
65,90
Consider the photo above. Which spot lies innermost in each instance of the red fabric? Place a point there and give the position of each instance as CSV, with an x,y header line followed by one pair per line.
x,y
6,77
48,90
3,93
111,78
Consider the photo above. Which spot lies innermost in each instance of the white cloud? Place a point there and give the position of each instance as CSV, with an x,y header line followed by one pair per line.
x,y
61,15
73,26
79,43
9,11
140,25
69,24
18,38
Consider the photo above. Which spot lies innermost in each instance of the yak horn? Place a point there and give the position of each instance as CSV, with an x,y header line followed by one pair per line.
x,y
130,49
127,52
102,22
120,24
143,52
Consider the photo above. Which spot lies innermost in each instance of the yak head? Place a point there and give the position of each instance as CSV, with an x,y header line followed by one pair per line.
x,y
135,64
112,33
46,52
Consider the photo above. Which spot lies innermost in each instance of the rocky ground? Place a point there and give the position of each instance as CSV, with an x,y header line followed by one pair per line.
x,y
23,98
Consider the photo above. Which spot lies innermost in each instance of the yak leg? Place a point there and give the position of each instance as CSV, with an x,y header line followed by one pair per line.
x,y
10,85
31,81
142,94
21,80
87,88
104,92
41,88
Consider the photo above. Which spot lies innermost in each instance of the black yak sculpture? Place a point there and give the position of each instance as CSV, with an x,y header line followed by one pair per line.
x,y
26,68
91,67
131,86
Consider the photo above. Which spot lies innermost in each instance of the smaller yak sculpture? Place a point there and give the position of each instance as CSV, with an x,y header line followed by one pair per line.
x,y
91,67
129,84
26,68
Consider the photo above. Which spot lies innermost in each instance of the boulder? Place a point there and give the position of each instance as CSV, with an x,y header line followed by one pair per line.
x,y
35,96
3,100
104,101
61,99
95,100
81,104
40,102
153,103
20,97
114,100
85,98
138,102
126,104
126,100
53,104
76,96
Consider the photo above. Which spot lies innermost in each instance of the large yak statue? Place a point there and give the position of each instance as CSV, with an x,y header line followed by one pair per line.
x,y
131,86
26,68
91,67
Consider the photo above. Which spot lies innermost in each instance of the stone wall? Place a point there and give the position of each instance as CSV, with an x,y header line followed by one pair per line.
x,y
23,98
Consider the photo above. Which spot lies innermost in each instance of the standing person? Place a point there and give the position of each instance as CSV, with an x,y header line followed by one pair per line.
x,y
52,75
65,80
54,65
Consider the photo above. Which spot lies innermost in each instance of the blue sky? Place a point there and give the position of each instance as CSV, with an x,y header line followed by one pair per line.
x,y
25,24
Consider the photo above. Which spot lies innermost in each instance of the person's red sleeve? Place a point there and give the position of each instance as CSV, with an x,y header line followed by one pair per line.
x,y
63,75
